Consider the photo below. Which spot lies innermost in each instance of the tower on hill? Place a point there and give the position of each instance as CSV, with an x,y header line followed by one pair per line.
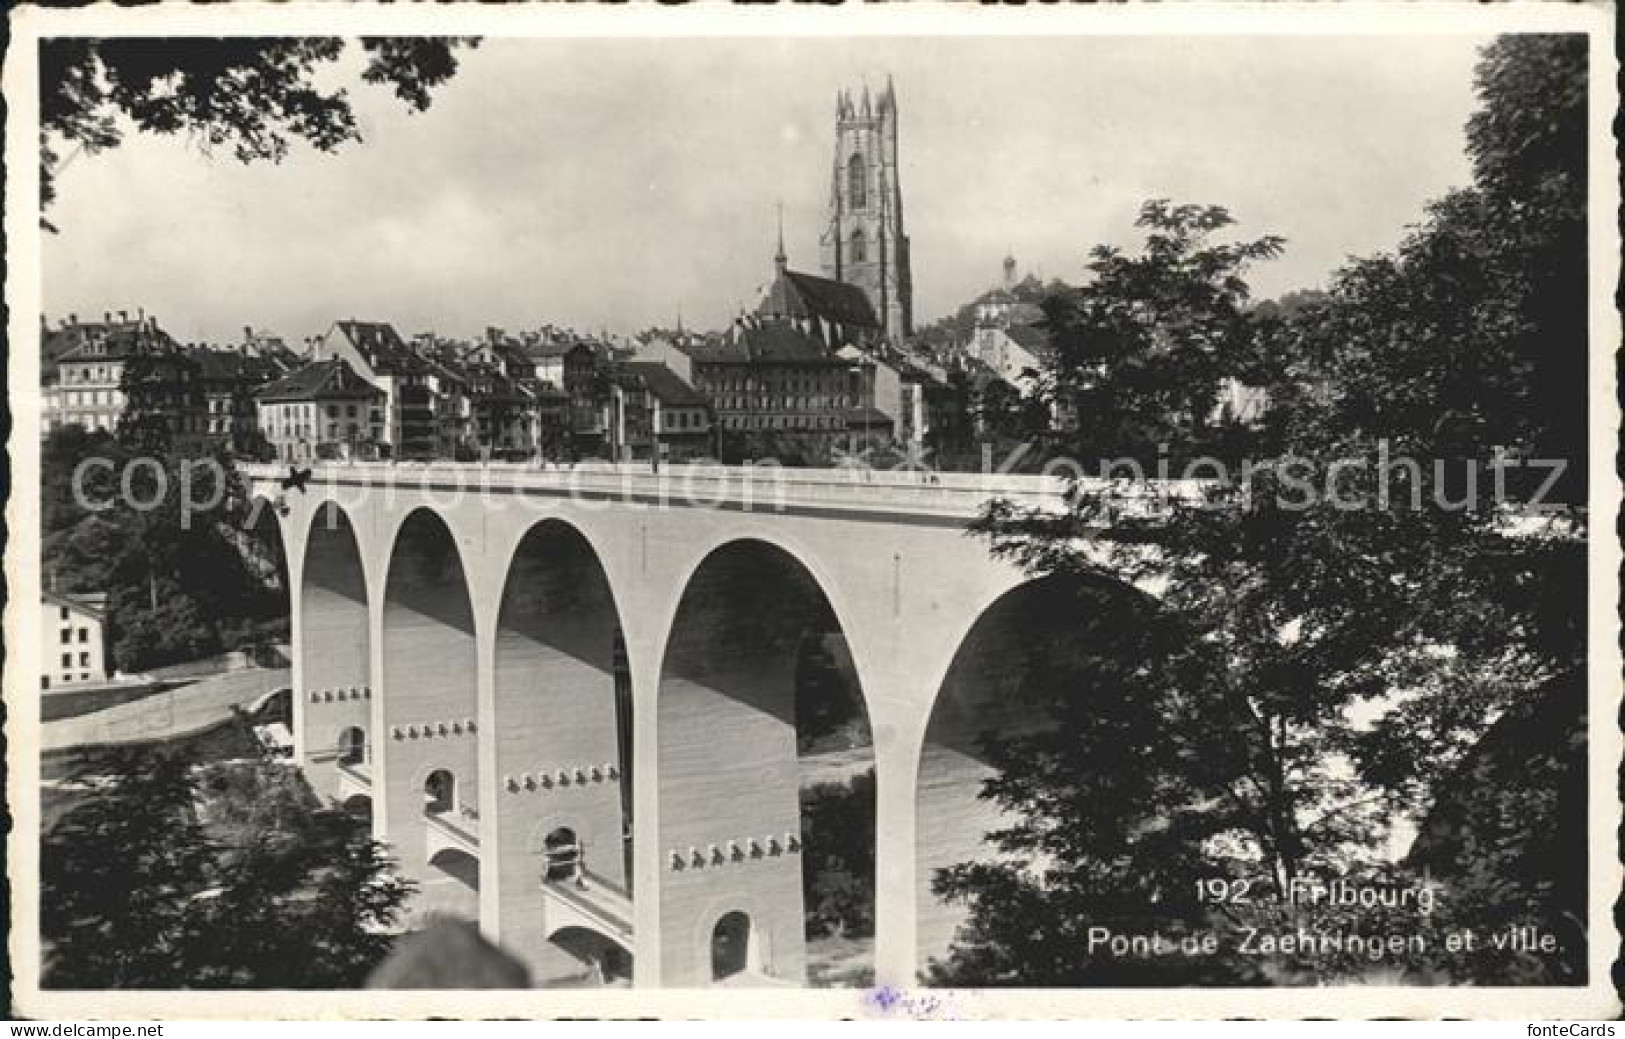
x,y
863,242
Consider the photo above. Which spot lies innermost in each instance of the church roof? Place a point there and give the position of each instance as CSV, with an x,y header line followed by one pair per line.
x,y
795,294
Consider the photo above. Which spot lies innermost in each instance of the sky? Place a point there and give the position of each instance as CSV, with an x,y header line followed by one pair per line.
x,y
613,184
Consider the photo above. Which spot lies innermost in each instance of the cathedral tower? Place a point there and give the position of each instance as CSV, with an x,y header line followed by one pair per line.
x,y
863,243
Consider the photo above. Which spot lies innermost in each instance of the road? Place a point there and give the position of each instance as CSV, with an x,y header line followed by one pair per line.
x,y
178,712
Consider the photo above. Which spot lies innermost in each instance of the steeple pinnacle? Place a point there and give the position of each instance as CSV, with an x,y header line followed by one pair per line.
x,y
779,258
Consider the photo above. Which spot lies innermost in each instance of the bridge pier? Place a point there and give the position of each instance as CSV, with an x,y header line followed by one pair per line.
x,y
897,755
648,857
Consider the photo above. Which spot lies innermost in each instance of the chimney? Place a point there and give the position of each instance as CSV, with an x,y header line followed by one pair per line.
x,y
73,319
248,334
124,317
107,317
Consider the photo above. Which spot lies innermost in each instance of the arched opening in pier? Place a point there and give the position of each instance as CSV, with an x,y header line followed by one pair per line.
x,y
602,962
452,885
563,740
352,746
439,792
1057,640
429,698
561,856
359,807
730,946
335,646
766,768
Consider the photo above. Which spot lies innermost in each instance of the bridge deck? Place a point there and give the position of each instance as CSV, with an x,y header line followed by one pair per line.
x,y
958,496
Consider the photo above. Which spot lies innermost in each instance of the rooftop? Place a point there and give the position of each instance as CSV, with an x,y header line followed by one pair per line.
x,y
665,384
320,380
795,294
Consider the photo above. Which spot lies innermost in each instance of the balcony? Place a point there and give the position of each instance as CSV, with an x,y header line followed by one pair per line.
x,y
354,780
453,829
588,901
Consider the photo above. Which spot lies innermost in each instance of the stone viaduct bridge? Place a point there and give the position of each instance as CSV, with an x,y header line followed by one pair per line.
x,y
567,697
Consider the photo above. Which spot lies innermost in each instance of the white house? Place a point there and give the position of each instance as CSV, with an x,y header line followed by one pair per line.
x,y
72,640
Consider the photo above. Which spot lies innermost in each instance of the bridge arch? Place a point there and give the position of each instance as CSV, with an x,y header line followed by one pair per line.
x,y
335,644
563,709
738,721
601,958
428,690
1037,635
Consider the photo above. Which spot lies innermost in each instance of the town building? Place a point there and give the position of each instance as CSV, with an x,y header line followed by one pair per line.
x,y
411,412
73,640
229,380
99,364
322,411
777,377
1017,353
678,422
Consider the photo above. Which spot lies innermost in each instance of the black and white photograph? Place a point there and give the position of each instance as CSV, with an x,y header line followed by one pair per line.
x,y
925,511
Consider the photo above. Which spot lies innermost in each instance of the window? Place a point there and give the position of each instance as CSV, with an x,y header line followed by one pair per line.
x,y
84,660
84,634
64,613
67,661
854,182
859,252
67,636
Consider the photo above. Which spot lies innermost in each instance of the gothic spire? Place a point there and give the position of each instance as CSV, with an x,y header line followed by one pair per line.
x,y
779,258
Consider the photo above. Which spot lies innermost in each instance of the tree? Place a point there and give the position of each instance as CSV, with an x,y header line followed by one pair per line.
x,y
1315,588
1122,794
249,94
838,857
117,879
166,877
182,580
1140,350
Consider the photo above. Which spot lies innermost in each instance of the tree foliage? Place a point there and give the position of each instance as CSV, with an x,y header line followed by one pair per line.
x,y
838,857
1141,349
251,95
1351,623
167,877
182,581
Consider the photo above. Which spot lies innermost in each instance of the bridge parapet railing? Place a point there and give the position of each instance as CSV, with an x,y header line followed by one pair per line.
x,y
752,487
457,828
